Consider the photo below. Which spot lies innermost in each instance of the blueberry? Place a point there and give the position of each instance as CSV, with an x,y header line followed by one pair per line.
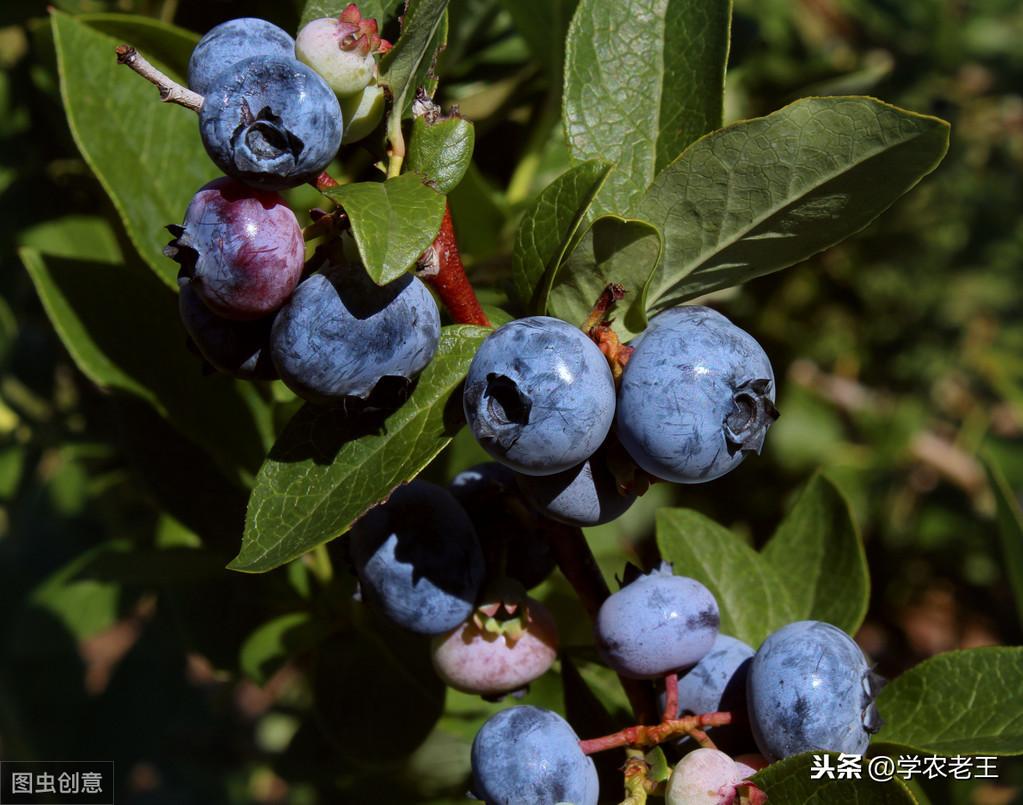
x,y
526,754
234,41
339,52
513,536
418,559
718,683
271,123
539,396
586,495
237,348
705,777
341,333
657,624
696,396
240,249
811,688
362,113
490,658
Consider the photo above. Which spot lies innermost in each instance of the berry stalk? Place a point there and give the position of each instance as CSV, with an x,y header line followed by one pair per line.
x,y
641,736
447,277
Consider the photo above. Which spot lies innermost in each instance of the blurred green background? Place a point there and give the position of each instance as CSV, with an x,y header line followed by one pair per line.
x,y
899,356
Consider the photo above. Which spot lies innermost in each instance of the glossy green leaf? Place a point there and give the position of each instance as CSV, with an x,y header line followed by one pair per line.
x,y
643,79
441,151
146,154
327,469
270,646
819,556
813,567
612,250
410,63
788,781
393,222
760,195
1010,530
549,229
121,327
751,594
961,702
380,10
157,40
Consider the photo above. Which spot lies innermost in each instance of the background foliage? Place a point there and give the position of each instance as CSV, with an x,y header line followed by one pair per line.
x,y
122,636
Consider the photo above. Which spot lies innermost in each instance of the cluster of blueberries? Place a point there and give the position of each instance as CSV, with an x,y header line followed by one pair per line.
x,y
275,112
455,563
696,396
808,687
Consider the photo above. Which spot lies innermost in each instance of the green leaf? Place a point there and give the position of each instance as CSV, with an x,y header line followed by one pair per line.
x,y
813,567
441,151
819,556
122,329
643,79
340,466
751,594
146,154
275,642
960,702
612,250
788,782
549,228
760,195
1010,529
409,64
380,10
157,40
393,222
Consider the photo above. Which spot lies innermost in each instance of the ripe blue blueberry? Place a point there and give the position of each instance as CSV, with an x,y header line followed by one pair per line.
x,y
513,536
231,42
526,754
271,123
237,348
811,688
341,333
657,624
586,495
717,683
696,396
418,559
539,396
240,249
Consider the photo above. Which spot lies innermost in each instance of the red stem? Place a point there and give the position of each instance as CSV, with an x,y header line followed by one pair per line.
x,y
577,564
642,737
670,697
324,181
450,281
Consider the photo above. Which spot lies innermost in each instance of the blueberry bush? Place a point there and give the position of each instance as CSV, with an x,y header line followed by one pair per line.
x,y
374,431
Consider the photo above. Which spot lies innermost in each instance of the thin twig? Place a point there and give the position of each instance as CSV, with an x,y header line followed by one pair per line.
x,y
170,90
670,697
443,270
641,736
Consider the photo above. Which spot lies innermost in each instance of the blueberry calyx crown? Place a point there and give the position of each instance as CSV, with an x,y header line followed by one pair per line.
x,y
752,413
262,142
872,684
509,410
181,253
355,32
